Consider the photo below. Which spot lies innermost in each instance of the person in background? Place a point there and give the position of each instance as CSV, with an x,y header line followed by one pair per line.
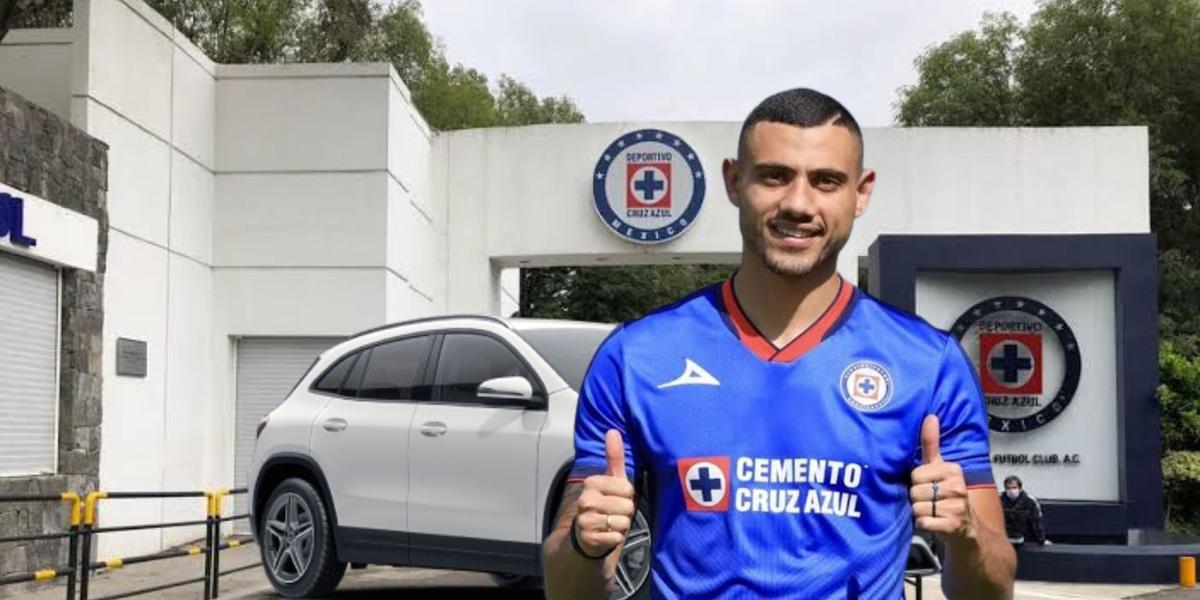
x,y
1022,514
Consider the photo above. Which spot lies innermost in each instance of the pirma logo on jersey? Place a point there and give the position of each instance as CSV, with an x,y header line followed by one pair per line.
x,y
866,385
648,186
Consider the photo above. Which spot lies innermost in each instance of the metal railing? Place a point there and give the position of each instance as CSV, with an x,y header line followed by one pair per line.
x,y
83,528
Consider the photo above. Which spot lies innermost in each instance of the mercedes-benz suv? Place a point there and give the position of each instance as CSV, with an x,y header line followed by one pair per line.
x,y
441,442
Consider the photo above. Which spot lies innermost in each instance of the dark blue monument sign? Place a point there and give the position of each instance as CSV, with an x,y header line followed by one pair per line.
x,y
1062,329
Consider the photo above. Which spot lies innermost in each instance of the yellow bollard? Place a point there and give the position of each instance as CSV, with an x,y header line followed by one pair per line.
x,y
1187,571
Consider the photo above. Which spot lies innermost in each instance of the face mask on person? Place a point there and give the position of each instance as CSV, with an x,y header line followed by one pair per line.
x,y
1012,494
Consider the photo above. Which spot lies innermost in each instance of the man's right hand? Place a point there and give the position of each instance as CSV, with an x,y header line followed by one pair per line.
x,y
609,495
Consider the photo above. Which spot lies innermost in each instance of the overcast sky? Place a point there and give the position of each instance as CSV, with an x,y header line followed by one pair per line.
x,y
632,60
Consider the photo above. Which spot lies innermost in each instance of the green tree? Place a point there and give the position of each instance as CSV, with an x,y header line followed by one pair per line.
x,y
967,80
457,98
516,104
339,31
278,31
610,294
402,39
1091,62
1179,397
15,14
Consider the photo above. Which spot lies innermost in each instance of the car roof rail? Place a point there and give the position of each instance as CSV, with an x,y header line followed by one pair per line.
x,y
497,320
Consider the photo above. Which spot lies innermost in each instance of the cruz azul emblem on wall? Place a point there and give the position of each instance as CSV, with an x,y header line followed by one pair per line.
x,y
648,186
1027,359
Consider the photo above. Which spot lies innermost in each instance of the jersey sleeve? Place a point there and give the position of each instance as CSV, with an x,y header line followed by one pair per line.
x,y
601,406
962,415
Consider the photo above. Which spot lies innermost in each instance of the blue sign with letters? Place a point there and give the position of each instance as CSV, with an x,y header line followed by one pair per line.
x,y
12,220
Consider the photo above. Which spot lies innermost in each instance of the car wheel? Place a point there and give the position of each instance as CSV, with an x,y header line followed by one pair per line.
x,y
296,542
633,568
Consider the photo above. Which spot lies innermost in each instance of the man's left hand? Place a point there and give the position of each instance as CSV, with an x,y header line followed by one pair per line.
x,y
951,516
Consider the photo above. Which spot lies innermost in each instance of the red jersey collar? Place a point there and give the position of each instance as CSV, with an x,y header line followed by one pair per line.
x,y
763,347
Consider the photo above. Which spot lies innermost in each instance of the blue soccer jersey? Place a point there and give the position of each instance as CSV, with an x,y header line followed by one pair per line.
x,y
779,472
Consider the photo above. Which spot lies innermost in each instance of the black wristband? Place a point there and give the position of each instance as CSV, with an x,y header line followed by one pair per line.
x,y
579,549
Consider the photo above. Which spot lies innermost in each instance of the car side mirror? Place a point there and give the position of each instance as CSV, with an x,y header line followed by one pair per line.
x,y
506,390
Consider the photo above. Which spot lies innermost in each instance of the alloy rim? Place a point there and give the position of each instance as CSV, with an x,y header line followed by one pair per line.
x,y
289,539
633,567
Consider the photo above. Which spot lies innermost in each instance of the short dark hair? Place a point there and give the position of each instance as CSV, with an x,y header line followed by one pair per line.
x,y
801,107
1012,479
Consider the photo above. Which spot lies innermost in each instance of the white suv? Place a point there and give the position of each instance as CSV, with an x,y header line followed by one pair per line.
x,y
440,442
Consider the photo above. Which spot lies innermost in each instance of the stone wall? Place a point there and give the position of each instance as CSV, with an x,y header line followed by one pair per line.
x,y
42,154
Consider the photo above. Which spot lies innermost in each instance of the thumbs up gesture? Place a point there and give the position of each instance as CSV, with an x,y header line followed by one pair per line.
x,y
939,491
605,508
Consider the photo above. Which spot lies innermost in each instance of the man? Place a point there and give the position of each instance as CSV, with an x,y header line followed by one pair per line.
x,y
783,461
1022,514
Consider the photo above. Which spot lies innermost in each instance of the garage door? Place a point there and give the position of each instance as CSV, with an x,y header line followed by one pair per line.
x,y
28,366
267,369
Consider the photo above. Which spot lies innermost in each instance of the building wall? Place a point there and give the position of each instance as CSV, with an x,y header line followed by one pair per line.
x,y
36,64
143,88
41,154
234,190
319,207
526,200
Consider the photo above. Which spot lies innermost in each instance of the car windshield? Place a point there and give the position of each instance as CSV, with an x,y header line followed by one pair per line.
x,y
569,349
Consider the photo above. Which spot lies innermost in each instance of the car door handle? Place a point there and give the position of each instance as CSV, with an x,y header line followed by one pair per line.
x,y
433,428
335,425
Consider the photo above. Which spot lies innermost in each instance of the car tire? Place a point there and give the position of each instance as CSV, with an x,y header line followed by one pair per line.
x,y
630,557
636,560
296,542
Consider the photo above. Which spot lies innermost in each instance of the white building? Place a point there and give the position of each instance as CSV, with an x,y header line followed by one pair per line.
x,y
260,212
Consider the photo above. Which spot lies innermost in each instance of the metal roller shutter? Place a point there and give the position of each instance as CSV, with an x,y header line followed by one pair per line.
x,y
28,366
267,369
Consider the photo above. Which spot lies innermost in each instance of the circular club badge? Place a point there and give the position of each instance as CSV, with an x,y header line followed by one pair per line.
x,y
1027,358
648,186
866,385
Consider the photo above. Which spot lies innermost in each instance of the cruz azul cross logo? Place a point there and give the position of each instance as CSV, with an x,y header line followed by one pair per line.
x,y
1014,363
705,482
1027,358
866,385
649,185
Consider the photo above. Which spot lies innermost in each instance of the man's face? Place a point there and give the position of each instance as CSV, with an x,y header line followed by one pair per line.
x,y
1012,486
798,191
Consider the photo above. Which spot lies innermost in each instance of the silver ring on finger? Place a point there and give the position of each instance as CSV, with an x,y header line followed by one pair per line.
x,y
933,503
607,523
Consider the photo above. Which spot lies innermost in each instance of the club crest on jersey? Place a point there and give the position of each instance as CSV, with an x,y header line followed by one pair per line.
x,y
705,482
866,385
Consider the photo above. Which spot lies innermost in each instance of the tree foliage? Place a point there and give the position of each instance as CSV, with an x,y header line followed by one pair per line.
x,y
16,14
1090,62
610,294
449,96
967,80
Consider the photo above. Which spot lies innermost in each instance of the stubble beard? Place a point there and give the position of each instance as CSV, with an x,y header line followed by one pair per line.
x,y
792,265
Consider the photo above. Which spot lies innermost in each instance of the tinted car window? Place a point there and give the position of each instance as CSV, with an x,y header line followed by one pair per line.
x,y
468,360
568,349
354,379
394,370
332,380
